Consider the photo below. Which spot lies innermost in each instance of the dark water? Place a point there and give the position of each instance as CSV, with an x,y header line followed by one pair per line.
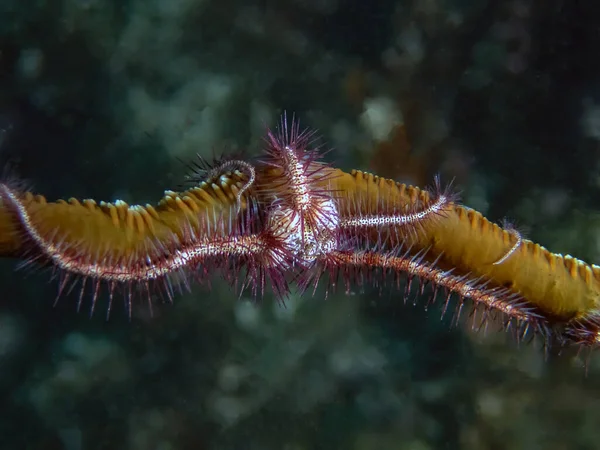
x,y
102,99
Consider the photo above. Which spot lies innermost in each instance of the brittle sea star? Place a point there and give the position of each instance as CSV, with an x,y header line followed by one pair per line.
x,y
291,218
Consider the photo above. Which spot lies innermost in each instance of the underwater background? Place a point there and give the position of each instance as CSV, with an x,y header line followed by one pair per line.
x,y
103,99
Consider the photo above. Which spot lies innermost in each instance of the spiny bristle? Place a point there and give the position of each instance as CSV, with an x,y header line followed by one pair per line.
x,y
289,137
265,267
584,331
448,190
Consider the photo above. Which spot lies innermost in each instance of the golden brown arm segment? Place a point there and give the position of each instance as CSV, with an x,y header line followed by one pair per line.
x,y
117,230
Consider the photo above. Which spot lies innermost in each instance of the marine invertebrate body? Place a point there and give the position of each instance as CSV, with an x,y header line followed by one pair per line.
x,y
292,218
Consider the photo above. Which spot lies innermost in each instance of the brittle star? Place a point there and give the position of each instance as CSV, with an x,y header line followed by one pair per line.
x,y
291,218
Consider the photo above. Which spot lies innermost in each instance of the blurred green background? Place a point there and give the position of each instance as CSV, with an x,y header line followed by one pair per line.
x,y
101,99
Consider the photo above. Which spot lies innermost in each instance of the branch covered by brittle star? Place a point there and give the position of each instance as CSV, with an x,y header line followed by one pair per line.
x,y
277,217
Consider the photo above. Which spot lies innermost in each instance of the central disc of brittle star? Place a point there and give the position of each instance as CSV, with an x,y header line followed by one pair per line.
x,y
302,215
